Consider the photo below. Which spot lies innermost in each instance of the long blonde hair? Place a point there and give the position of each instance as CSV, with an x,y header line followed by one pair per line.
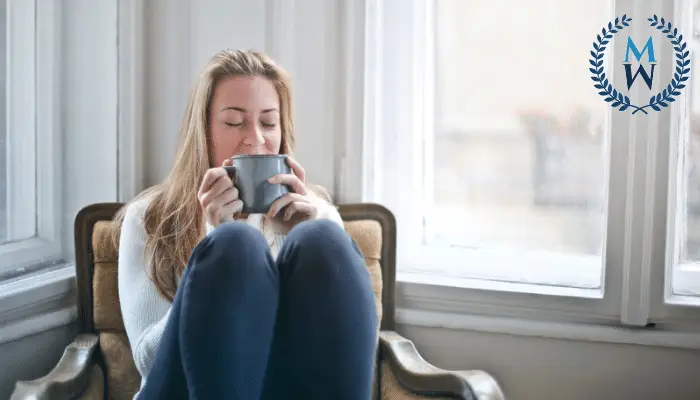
x,y
174,221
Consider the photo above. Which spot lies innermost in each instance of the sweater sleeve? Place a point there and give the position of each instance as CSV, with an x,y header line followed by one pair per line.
x,y
326,208
144,310
329,211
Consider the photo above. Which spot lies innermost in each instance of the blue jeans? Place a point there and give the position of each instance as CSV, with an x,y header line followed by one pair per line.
x,y
244,326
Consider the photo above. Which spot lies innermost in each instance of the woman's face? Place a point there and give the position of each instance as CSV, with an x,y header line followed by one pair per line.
x,y
244,118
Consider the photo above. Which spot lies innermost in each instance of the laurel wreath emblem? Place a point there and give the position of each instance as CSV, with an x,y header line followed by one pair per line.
x,y
657,101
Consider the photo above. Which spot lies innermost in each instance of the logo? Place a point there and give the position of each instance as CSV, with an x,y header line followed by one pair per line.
x,y
645,66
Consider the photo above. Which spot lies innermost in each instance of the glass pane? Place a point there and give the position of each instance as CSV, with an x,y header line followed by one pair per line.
x,y
689,193
520,131
3,124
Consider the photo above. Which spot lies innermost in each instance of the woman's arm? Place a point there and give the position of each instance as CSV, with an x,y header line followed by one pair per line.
x,y
326,209
144,310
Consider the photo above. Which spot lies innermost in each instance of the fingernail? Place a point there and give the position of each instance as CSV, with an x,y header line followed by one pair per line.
x,y
272,180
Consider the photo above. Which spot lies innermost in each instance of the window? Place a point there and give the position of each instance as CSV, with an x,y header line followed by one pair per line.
x,y
510,177
685,250
515,160
3,127
29,184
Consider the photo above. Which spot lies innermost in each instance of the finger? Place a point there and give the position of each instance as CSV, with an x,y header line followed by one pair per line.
x,y
298,207
223,210
283,201
297,169
290,180
210,178
219,187
211,212
229,163
227,196
232,207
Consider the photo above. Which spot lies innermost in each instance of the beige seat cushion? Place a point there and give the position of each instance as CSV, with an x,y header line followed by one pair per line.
x,y
121,375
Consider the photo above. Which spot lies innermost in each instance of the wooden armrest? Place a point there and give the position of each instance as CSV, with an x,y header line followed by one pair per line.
x,y
419,376
67,379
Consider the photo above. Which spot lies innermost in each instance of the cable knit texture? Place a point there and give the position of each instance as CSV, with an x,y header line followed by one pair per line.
x,y
144,310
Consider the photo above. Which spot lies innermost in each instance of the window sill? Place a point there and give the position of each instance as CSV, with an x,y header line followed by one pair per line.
x,y
552,330
541,272
37,302
429,300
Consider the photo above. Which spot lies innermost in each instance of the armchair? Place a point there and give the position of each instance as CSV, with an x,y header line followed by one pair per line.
x,y
98,363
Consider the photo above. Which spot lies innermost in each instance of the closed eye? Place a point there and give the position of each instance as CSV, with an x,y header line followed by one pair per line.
x,y
232,124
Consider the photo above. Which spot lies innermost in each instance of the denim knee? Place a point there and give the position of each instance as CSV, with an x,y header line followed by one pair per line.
x,y
231,244
240,233
324,243
320,235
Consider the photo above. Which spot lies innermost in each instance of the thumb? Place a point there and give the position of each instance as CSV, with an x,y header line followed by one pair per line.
x,y
227,162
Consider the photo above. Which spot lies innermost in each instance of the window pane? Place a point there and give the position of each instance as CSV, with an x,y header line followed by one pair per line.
x,y
519,160
685,280
3,124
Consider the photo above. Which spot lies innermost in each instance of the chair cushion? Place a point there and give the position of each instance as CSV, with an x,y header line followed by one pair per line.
x,y
368,236
122,377
106,310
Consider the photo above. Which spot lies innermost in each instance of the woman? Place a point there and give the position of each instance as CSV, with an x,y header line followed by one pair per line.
x,y
275,306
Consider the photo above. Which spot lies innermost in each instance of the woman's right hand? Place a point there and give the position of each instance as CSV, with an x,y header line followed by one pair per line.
x,y
218,197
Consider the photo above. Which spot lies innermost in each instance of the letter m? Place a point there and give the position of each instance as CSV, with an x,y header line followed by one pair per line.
x,y
635,51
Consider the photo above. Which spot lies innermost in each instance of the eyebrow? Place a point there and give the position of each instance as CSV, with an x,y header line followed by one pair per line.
x,y
241,109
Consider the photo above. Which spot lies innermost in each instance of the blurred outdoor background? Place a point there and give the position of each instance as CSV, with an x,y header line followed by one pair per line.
x,y
520,142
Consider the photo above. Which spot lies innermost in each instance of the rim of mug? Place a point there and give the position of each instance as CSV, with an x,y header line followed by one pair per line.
x,y
259,156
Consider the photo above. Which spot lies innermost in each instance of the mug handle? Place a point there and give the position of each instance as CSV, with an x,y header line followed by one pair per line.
x,y
231,171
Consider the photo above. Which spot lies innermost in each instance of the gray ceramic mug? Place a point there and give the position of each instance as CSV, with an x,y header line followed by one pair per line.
x,y
250,174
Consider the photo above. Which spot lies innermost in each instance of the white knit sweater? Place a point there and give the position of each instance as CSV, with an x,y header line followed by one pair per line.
x,y
144,310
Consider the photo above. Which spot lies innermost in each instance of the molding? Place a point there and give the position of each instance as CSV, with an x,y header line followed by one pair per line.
x,y
38,302
349,149
130,104
21,118
280,35
636,293
37,323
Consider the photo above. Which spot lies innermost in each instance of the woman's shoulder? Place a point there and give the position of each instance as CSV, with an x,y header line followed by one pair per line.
x,y
134,213
136,209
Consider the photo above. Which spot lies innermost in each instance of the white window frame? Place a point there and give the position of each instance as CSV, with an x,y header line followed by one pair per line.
x,y
683,278
34,157
633,293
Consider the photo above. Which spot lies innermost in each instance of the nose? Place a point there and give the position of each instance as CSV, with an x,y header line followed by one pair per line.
x,y
254,137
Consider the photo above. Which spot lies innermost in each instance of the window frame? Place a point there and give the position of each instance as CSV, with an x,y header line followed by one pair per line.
x,y
667,304
34,160
633,290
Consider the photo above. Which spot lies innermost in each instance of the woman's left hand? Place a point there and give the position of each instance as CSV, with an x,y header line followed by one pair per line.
x,y
300,203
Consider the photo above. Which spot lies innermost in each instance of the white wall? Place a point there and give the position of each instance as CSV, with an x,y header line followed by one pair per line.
x,y
551,369
88,107
32,356
180,37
